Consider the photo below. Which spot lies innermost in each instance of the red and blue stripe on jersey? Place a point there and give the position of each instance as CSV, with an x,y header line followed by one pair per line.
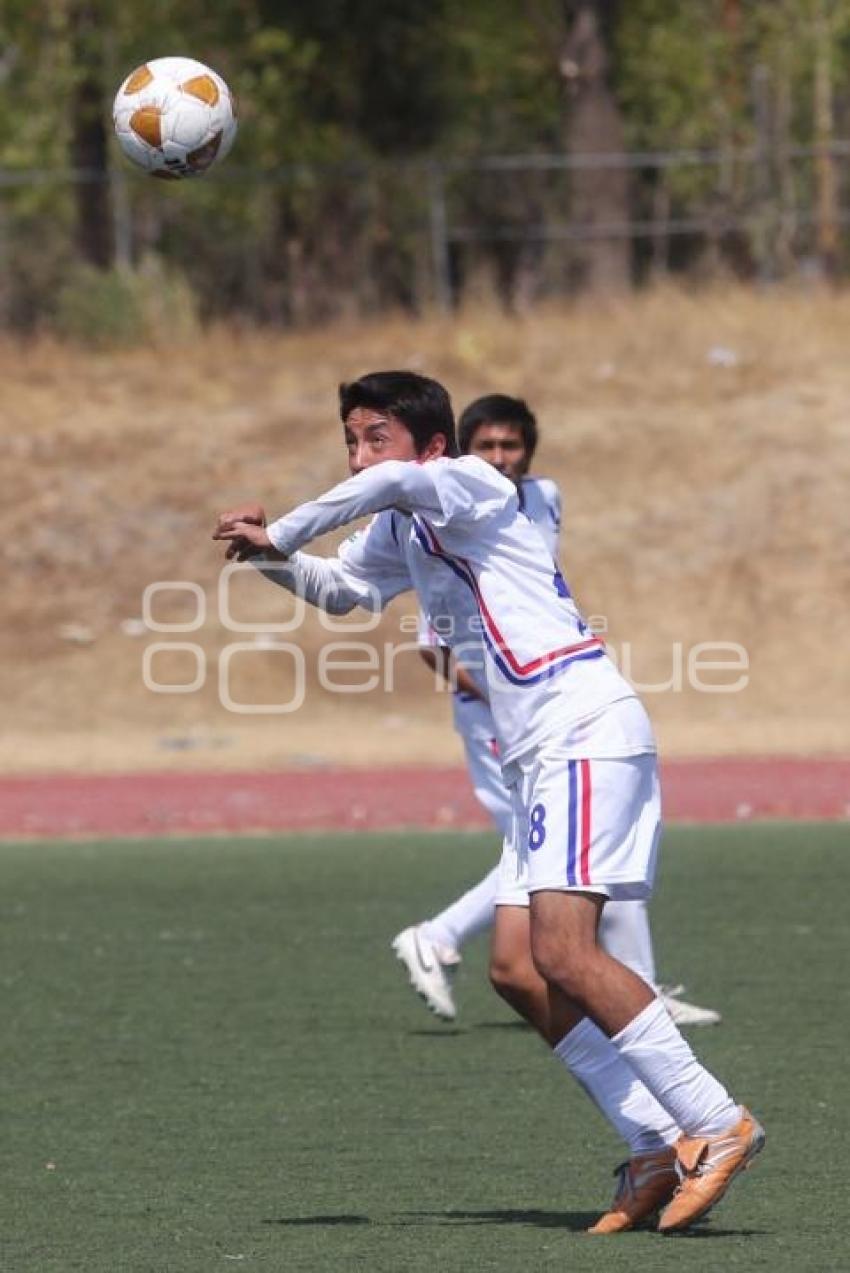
x,y
531,673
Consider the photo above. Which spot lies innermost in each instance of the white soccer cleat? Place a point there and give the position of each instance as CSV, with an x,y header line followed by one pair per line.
x,y
431,968
684,1013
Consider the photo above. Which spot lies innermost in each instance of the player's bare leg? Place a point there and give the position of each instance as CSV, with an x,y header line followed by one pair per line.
x,y
648,1179
720,1138
566,953
515,978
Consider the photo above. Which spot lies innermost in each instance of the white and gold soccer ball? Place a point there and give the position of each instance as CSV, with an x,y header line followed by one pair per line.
x,y
174,117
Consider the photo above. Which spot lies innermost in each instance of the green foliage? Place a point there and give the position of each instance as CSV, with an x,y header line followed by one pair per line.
x,y
676,75
687,80
109,309
35,77
506,94
333,92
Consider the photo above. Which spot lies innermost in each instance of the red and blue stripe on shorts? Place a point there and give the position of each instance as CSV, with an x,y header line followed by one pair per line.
x,y
578,822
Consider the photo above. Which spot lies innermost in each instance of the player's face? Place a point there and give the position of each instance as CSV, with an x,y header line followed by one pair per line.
x,y
371,437
501,445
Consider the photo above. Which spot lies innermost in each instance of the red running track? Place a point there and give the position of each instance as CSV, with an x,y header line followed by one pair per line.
x,y
346,799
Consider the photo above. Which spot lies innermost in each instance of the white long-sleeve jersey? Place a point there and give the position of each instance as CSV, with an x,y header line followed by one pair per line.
x,y
453,530
540,499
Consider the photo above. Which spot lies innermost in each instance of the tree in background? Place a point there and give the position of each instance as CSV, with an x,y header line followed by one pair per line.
x,y
363,87
504,99
600,199
88,149
362,119
684,87
577,40
825,23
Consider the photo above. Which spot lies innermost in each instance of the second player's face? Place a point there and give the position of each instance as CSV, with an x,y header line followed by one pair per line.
x,y
501,445
373,436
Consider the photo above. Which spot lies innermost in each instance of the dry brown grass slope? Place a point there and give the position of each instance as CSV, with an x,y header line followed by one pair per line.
x,y
706,502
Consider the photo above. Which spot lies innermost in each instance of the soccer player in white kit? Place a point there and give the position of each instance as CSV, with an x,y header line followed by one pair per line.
x,y
578,752
503,431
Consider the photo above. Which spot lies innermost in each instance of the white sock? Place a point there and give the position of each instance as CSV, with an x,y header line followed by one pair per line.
x,y
615,1089
655,1049
470,914
625,934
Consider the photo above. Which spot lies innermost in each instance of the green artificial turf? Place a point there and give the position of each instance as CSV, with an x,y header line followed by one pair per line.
x,y
209,1060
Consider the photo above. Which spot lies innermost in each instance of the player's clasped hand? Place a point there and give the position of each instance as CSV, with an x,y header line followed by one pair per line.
x,y
254,513
245,533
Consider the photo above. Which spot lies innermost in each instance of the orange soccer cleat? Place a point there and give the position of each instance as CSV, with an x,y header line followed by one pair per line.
x,y
707,1165
645,1183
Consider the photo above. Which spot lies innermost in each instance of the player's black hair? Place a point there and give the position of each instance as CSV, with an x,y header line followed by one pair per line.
x,y
498,408
422,405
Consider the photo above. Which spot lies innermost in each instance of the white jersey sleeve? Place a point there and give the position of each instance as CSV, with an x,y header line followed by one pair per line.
x,y
369,571
319,580
373,563
448,492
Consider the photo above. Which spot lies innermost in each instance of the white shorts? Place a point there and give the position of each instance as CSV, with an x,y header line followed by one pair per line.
x,y
586,825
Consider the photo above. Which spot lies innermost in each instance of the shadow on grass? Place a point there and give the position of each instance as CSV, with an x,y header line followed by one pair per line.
x,y
575,1221
706,1230
437,1032
572,1221
319,1221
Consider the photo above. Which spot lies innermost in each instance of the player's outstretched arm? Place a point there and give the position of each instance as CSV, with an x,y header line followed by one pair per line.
x,y
318,580
321,581
368,572
394,484
400,484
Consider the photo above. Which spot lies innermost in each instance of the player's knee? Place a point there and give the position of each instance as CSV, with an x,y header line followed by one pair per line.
x,y
500,976
508,975
561,963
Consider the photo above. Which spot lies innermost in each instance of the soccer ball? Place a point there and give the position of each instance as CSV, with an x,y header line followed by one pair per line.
x,y
174,117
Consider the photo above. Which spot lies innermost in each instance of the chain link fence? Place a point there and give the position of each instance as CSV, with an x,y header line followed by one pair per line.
x,y
303,244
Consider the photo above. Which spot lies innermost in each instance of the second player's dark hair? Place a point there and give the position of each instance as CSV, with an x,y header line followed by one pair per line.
x,y
422,405
498,408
